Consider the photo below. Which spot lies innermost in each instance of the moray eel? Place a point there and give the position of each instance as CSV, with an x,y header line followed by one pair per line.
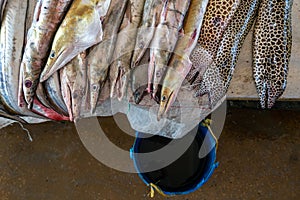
x,y
218,75
180,63
216,19
48,15
80,29
272,43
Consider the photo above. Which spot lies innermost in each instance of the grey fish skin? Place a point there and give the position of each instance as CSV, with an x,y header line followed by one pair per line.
x,y
218,75
180,63
73,84
11,46
100,55
48,15
2,7
120,67
272,43
165,39
151,14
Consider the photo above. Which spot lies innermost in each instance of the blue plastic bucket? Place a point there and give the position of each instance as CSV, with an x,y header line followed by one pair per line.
x,y
185,174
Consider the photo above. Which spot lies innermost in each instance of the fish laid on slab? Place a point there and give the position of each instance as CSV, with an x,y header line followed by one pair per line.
x,y
150,20
54,95
80,29
73,84
217,17
272,43
100,55
218,75
2,7
180,63
47,18
165,39
11,47
120,67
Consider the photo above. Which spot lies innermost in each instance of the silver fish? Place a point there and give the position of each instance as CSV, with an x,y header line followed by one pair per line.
x,y
165,39
73,84
119,69
11,46
180,63
150,20
48,16
100,55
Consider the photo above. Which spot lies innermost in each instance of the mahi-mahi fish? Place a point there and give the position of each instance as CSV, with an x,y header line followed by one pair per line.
x,y
180,63
99,57
217,17
11,46
164,40
272,43
80,29
73,84
48,15
218,75
120,67
150,20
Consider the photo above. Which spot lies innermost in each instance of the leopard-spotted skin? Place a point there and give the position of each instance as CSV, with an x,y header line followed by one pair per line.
x,y
217,77
217,17
272,44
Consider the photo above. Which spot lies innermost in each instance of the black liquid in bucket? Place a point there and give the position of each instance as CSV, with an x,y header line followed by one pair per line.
x,y
188,172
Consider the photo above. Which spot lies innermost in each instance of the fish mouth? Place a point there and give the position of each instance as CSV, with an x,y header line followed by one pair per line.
x,y
61,60
167,98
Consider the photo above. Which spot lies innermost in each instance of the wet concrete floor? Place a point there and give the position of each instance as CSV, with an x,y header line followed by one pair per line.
x,y
258,153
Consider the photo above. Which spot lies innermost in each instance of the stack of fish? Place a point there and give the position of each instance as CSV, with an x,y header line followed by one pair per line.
x,y
58,56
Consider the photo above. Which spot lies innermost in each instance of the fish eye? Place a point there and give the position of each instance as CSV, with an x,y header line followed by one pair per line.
x,y
28,84
163,98
52,54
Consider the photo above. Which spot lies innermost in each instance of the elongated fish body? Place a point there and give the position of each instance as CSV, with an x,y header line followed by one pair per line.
x,y
165,39
99,57
73,84
180,63
80,29
272,43
2,7
151,14
54,95
218,75
119,69
11,45
48,15
217,17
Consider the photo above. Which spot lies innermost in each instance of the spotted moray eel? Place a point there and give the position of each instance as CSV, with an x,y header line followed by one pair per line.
x,y
217,17
218,75
272,44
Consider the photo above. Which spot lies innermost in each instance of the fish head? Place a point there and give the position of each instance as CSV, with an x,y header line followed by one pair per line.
x,y
60,55
168,96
